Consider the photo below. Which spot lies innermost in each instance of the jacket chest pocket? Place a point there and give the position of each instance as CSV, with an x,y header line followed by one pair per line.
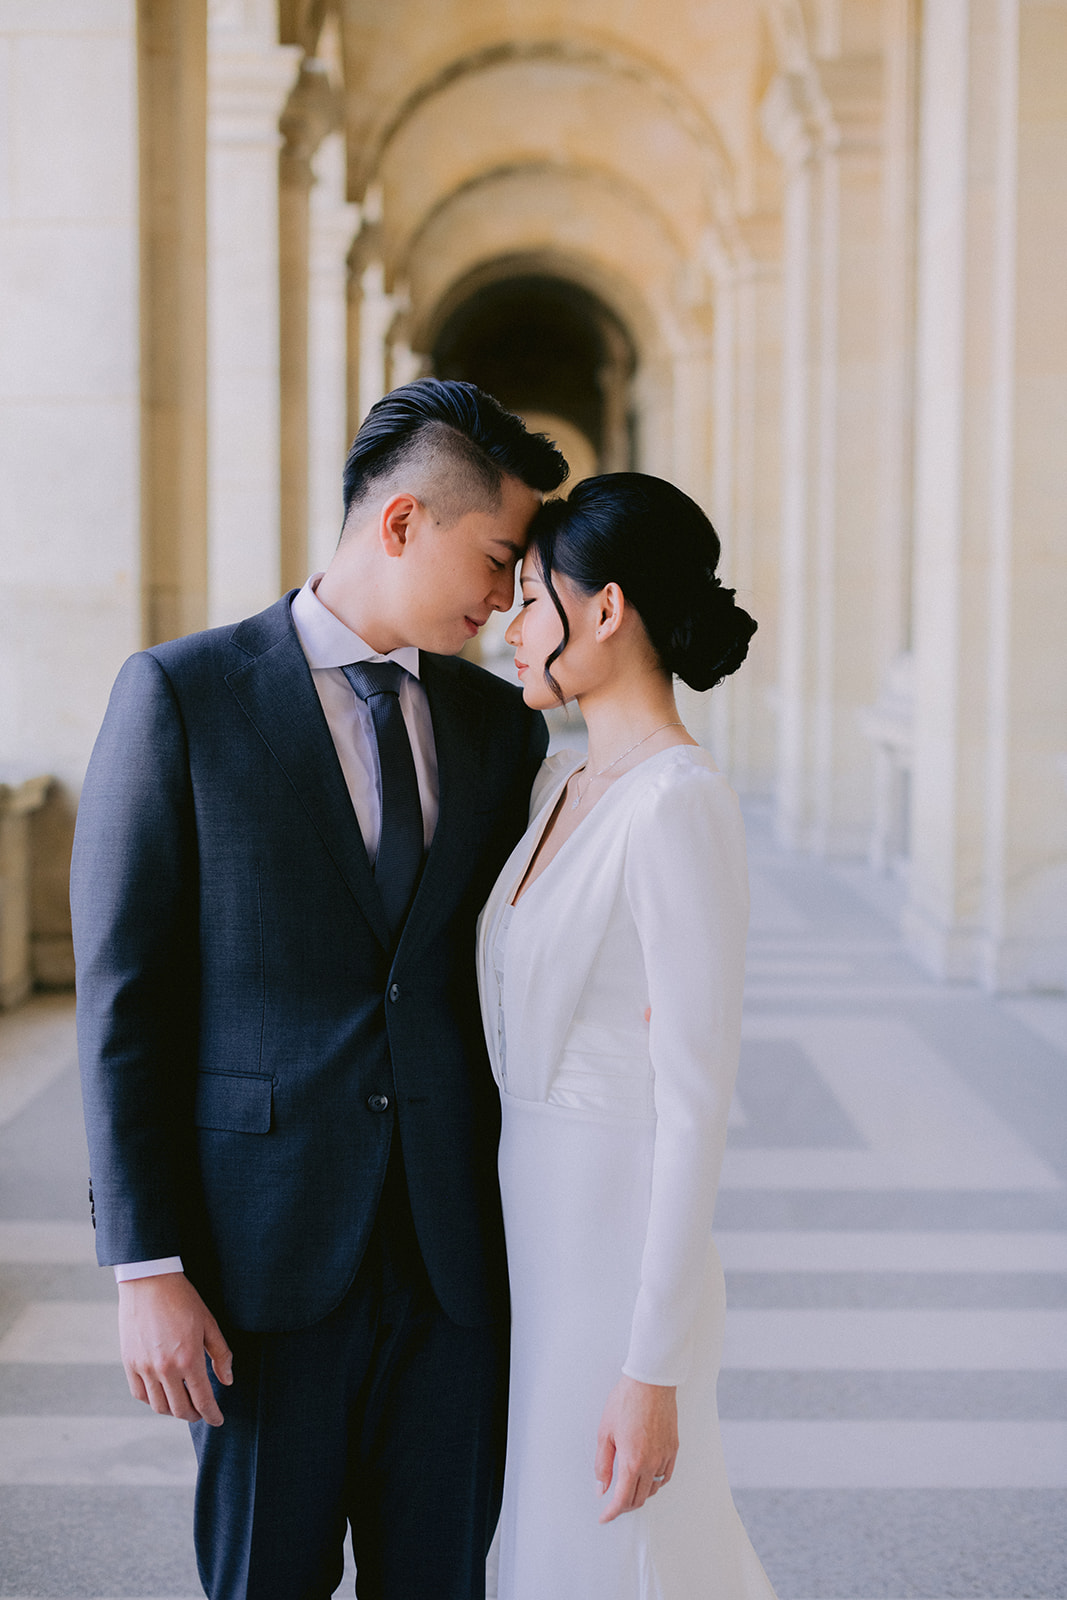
x,y
235,1102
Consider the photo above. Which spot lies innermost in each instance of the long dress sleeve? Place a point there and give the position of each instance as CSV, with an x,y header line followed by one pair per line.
x,y
687,884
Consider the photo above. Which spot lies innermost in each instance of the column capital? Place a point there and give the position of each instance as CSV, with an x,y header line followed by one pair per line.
x,y
795,118
248,83
749,247
834,105
314,109
366,247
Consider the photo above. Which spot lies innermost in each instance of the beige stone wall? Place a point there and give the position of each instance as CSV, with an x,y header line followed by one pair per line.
x,y
69,407
815,246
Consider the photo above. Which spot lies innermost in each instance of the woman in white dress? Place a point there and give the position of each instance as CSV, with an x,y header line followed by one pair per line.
x,y
611,957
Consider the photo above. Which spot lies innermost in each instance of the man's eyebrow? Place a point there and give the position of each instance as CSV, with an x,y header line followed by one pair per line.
x,y
516,549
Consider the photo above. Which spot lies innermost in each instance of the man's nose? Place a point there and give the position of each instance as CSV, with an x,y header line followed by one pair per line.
x,y
502,594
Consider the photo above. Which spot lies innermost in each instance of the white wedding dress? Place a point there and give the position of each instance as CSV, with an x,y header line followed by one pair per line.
x,y
611,1145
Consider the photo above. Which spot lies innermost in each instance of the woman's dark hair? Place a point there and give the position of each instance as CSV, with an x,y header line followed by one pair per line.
x,y
658,546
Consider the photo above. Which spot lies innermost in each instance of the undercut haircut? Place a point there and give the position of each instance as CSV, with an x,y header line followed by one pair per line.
x,y
451,445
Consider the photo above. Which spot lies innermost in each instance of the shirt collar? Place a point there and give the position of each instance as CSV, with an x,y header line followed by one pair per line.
x,y
327,642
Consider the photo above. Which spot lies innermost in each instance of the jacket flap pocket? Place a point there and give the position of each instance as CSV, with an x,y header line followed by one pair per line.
x,y
234,1101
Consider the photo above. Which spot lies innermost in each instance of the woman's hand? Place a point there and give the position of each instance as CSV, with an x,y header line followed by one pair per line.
x,y
637,1443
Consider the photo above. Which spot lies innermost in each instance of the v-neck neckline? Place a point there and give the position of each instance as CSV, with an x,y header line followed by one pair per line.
x,y
526,883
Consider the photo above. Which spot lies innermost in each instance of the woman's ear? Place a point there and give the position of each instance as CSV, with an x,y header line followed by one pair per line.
x,y
611,607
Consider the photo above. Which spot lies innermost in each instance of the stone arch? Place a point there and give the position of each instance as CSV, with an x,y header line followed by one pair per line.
x,y
515,117
592,230
626,195
622,65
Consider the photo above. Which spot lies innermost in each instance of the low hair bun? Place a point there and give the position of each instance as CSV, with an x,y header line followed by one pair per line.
x,y
711,641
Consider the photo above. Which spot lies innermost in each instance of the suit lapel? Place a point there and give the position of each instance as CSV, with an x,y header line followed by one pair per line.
x,y
276,692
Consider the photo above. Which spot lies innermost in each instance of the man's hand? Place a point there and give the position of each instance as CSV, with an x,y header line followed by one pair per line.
x,y
164,1330
637,1443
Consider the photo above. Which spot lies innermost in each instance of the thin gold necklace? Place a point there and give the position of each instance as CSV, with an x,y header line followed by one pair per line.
x,y
580,793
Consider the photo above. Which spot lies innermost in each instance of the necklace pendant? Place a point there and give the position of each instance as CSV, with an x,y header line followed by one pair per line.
x,y
576,802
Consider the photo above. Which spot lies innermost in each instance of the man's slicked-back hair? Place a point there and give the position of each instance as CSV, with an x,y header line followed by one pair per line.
x,y
455,444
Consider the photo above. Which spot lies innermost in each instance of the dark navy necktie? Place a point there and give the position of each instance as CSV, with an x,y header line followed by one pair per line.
x,y
400,843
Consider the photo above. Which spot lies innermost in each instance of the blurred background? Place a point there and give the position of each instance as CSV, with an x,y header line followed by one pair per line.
x,y
804,257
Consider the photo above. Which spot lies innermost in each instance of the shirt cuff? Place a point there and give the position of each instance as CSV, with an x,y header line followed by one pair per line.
x,y
148,1269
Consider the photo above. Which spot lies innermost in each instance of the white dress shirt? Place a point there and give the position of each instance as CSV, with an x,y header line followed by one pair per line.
x,y
330,645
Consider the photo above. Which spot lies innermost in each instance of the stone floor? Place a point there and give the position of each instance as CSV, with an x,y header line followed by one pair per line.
x,y
893,1221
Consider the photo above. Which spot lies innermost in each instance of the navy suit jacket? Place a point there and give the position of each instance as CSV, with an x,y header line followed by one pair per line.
x,y
241,1007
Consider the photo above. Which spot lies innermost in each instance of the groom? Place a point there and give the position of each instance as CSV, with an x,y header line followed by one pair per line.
x,y
286,833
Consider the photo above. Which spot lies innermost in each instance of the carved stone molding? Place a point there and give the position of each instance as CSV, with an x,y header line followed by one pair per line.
x,y
833,106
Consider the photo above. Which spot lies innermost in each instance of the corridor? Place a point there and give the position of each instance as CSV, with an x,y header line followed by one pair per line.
x,y
893,1223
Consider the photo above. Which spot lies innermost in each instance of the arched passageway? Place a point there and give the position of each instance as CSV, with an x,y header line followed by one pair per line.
x,y
549,349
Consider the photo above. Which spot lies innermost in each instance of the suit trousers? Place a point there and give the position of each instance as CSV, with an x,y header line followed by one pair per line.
x,y
385,1417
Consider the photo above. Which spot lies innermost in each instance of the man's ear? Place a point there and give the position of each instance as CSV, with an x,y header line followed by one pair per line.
x,y
395,523
611,608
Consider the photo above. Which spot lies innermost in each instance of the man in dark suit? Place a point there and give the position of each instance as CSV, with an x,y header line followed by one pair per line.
x,y
286,833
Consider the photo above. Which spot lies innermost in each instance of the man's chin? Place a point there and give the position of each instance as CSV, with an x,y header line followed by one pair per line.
x,y
466,634
452,643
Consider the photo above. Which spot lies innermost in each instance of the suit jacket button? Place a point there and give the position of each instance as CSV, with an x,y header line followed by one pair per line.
x,y
378,1102
394,992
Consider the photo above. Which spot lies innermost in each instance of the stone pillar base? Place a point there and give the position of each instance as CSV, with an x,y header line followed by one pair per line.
x,y
17,803
52,961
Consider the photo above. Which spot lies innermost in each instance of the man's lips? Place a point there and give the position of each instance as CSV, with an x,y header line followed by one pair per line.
x,y
474,625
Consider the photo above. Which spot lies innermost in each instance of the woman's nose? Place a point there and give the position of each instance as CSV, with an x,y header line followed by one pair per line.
x,y
513,632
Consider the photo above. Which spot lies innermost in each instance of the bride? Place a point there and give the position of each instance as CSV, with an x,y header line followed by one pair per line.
x,y
611,957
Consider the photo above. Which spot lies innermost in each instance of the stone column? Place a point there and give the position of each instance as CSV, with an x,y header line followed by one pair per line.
x,y
70,416
613,379
172,112
827,127
312,110
696,402
652,390
694,395
333,225
294,188
988,887
249,78
746,505
377,312
405,363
